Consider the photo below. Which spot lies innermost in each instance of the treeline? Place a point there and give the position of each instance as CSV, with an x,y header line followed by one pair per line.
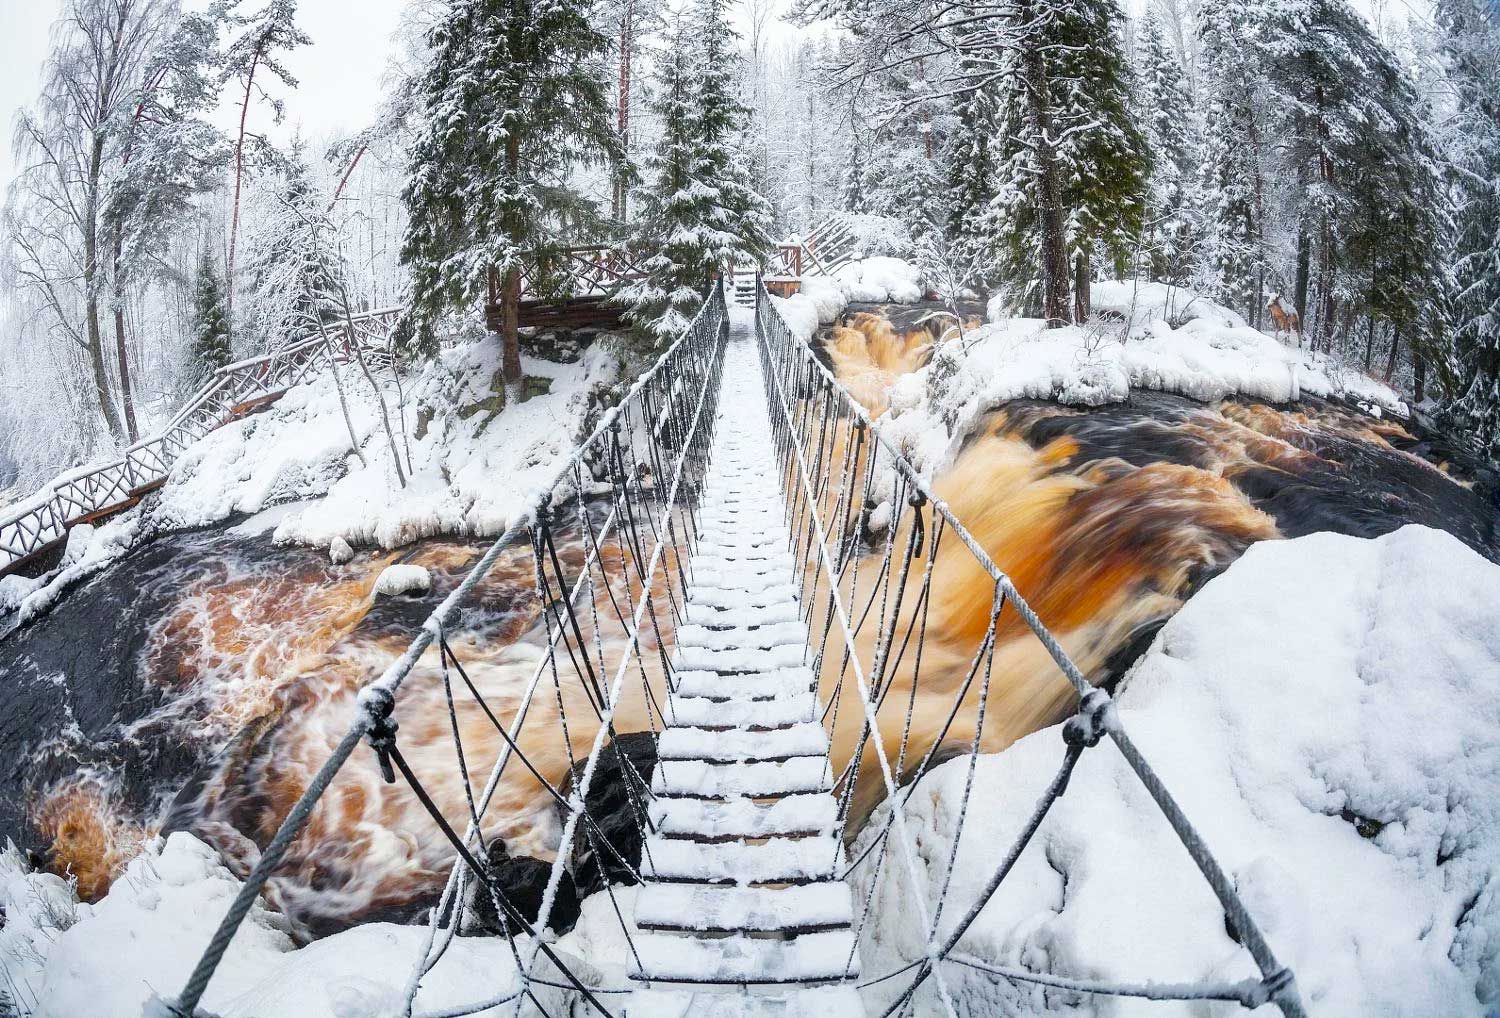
x,y
1253,150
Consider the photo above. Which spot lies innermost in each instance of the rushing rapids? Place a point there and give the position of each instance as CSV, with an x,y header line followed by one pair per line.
x,y
200,681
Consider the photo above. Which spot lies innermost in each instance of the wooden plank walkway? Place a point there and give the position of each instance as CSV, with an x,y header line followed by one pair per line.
x,y
743,911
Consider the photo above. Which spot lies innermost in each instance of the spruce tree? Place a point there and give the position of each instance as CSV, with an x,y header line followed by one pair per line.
x,y
512,101
210,348
1231,218
1165,116
700,212
971,168
1471,50
1067,100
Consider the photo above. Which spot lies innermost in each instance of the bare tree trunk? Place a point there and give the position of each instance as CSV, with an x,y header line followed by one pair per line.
x,y
1081,279
1419,368
510,324
1390,361
345,178
1369,343
91,288
239,174
1049,205
117,301
619,206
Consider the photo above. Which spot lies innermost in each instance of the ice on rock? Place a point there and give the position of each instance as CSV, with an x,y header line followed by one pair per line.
x,y
403,579
339,551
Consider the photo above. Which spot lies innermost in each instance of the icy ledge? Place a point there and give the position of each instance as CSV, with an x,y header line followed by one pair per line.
x,y
1328,713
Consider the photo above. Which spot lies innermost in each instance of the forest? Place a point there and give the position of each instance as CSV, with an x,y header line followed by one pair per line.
x,y
1339,164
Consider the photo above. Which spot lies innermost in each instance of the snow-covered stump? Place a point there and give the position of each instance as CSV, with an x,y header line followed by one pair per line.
x,y
743,911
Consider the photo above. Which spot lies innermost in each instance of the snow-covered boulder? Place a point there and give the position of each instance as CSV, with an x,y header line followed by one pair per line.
x,y
1327,712
881,279
403,579
339,551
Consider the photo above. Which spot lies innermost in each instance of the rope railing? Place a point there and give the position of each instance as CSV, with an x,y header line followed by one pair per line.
x,y
42,520
908,650
611,538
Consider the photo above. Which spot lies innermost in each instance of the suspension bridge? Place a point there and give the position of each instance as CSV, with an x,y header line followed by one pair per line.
x,y
755,594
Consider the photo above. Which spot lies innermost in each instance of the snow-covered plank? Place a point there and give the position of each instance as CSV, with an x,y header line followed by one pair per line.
x,y
729,597
812,957
687,907
702,712
758,780
749,686
700,614
803,1002
772,861
680,743
739,817
723,636
740,659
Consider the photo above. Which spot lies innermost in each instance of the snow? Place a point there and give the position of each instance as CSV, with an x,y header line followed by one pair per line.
x,y
89,549
1211,355
881,280
472,469
402,579
65,959
1327,712
339,551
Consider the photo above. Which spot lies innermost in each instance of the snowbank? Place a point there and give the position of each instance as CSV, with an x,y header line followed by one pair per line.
x,y
880,280
65,959
1327,712
1211,355
89,549
471,467
819,302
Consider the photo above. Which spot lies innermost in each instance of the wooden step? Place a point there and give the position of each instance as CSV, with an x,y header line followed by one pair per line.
x,y
687,908
742,863
803,1002
683,743
772,712
741,817
692,779
748,685
810,958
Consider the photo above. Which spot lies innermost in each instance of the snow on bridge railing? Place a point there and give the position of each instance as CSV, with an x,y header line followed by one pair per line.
x,y
41,522
920,634
609,539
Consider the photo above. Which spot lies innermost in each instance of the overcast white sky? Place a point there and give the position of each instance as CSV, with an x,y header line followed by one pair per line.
x,y
339,73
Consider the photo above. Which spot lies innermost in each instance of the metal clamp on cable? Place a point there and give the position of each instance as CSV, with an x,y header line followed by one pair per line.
x,y
917,500
1094,718
379,704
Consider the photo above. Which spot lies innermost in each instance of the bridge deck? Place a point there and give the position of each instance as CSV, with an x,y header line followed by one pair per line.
x,y
744,911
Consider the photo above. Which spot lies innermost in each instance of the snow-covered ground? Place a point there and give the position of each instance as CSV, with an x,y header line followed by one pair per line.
x,y
472,468
1327,712
1144,336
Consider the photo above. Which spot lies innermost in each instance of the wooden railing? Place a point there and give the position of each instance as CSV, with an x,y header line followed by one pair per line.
x,y
40,523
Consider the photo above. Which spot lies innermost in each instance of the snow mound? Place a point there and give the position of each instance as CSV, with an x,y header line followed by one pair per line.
x,y
109,960
1327,712
1213,355
403,579
471,463
339,551
819,302
881,280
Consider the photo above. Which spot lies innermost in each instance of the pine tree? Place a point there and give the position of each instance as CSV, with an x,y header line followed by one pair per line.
x,y
1471,49
1166,120
1067,101
1231,218
513,101
210,348
971,166
665,301
700,211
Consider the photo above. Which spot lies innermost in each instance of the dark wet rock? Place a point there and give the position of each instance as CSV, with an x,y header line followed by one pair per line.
x,y
615,799
520,881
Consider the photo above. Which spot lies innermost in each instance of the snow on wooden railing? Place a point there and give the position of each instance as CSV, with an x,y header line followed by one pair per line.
x,y
39,522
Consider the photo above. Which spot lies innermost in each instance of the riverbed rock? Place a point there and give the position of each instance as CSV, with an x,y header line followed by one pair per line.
x,y
403,579
339,551
616,793
522,880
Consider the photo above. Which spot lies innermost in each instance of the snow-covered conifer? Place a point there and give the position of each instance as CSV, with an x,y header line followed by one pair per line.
x,y
210,347
1165,114
511,102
